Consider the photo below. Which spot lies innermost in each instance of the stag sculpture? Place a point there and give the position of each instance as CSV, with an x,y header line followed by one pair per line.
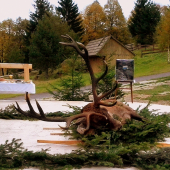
x,y
108,113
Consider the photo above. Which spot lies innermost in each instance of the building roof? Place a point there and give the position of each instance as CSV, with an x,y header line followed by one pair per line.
x,y
95,46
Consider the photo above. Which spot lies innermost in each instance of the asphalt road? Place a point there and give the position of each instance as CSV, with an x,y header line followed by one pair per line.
x,y
145,78
47,96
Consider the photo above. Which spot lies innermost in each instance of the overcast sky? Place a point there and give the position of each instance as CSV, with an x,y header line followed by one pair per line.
x,y
22,8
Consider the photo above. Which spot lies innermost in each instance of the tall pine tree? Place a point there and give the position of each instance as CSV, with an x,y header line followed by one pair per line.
x,y
45,51
41,7
69,13
143,21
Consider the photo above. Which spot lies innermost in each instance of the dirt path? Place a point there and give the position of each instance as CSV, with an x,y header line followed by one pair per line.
x,y
144,97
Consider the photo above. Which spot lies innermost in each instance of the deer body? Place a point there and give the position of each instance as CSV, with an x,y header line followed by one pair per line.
x,y
109,113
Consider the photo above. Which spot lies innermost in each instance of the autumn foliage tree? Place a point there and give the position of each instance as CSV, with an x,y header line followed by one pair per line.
x,y
163,31
93,22
4,39
16,44
11,40
115,21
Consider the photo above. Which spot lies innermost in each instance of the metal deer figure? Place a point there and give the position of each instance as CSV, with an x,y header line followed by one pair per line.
x,y
108,113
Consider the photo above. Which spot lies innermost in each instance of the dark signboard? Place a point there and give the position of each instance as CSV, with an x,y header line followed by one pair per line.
x,y
124,69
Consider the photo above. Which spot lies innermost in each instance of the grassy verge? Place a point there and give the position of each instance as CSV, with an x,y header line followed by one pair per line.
x,y
157,91
43,85
151,64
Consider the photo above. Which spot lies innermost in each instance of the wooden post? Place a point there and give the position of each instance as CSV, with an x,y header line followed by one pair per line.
x,y
131,92
69,142
26,72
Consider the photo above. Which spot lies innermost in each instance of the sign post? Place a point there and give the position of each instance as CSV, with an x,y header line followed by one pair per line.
x,y
125,73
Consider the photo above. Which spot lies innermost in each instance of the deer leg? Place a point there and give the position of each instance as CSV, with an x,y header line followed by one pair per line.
x,y
135,116
114,124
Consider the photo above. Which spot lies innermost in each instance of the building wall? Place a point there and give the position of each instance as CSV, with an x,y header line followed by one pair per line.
x,y
96,64
112,51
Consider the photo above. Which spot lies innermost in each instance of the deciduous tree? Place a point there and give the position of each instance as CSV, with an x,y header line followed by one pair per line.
x,y
143,21
15,48
4,39
94,22
115,21
11,40
163,31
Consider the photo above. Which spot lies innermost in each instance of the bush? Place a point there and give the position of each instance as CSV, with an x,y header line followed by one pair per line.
x,y
134,145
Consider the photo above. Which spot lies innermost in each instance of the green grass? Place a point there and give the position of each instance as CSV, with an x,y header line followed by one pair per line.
x,y
155,94
43,85
159,92
155,91
159,98
151,64
6,96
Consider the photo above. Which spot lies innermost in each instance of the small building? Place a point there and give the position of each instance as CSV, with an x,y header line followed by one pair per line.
x,y
107,47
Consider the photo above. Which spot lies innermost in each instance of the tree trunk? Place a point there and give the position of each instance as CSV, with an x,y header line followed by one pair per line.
x,y
46,73
168,53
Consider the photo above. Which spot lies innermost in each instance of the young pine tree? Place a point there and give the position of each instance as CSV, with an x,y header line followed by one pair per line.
x,y
71,82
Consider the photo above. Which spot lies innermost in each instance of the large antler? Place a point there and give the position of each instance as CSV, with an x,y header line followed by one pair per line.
x,y
85,56
33,114
41,116
87,115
